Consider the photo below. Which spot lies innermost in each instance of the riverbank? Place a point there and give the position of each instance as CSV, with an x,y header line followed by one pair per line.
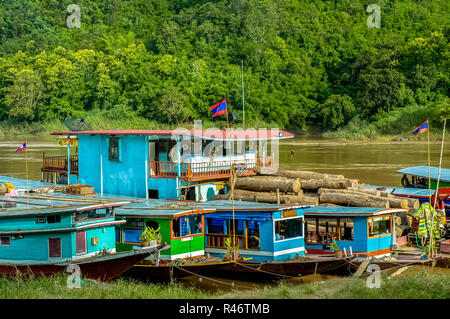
x,y
414,285
396,125
102,120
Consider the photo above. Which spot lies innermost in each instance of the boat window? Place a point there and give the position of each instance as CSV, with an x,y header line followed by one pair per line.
x,y
325,230
253,235
215,225
104,212
379,225
311,231
288,228
54,219
187,225
5,241
131,235
93,214
346,229
113,150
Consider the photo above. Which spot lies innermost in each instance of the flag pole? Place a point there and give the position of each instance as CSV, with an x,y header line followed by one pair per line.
x,y
437,185
26,169
228,123
429,175
243,108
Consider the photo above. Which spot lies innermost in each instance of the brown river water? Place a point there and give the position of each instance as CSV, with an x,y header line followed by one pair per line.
x,y
373,163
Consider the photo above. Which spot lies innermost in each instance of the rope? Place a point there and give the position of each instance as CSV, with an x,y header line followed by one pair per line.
x,y
267,272
288,276
219,281
417,240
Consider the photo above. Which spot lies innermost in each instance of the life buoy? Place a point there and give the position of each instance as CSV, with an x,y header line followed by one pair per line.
x,y
189,173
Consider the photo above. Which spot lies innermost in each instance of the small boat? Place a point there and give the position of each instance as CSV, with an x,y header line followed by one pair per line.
x,y
419,177
168,271
102,268
40,236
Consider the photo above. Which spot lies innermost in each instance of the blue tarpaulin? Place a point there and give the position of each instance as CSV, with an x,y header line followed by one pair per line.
x,y
422,171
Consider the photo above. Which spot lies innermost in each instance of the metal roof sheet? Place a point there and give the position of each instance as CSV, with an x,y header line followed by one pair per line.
x,y
228,134
422,171
350,211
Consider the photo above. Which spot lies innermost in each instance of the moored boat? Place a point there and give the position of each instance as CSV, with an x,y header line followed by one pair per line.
x,y
293,268
44,237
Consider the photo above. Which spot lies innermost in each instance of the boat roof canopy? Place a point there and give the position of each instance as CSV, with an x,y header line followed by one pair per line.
x,y
422,171
40,211
209,134
351,211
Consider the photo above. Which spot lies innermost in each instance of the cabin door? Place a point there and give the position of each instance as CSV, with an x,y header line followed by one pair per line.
x,y
54,247
80,242
152,157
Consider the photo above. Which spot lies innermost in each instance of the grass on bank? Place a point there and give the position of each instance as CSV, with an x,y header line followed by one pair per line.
x,y
420,285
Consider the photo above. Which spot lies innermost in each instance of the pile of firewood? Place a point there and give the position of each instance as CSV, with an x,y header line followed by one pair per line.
x,y
312,188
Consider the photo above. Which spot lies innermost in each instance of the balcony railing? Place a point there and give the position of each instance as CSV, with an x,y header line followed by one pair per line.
x,y
218,240
58,164
206,170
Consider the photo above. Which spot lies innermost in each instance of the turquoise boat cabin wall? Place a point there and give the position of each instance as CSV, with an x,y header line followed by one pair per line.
x,y
263,232
125,173
56,234
365,232
114,164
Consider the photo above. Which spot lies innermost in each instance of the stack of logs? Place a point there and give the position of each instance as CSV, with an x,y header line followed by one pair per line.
x,y
311,188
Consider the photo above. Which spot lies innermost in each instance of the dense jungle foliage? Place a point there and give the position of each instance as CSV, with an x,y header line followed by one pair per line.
x,y
307,64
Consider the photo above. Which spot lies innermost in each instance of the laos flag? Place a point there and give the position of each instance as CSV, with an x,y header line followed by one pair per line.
x,y
219,108
422,128
22,147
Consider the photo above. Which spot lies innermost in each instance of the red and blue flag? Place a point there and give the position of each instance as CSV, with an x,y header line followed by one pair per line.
x,y
22,147
422,128
219,108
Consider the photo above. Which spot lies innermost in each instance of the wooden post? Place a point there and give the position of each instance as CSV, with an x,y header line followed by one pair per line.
x,y
246,234
317,229
278,196
338,229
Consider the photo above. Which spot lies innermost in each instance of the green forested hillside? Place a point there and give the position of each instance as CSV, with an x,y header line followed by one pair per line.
x,y
306,63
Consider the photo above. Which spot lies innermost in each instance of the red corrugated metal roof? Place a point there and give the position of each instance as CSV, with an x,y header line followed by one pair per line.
x,y
228,134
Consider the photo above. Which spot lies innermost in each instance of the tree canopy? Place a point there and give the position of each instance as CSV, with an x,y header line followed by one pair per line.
x,y
306,63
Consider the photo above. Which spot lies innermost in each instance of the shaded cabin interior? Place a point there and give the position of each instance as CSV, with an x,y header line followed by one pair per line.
x,y
364,231
262,232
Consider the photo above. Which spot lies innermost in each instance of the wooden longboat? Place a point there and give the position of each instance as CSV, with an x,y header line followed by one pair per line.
x,y
42,236
166,271
276,270
102,268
